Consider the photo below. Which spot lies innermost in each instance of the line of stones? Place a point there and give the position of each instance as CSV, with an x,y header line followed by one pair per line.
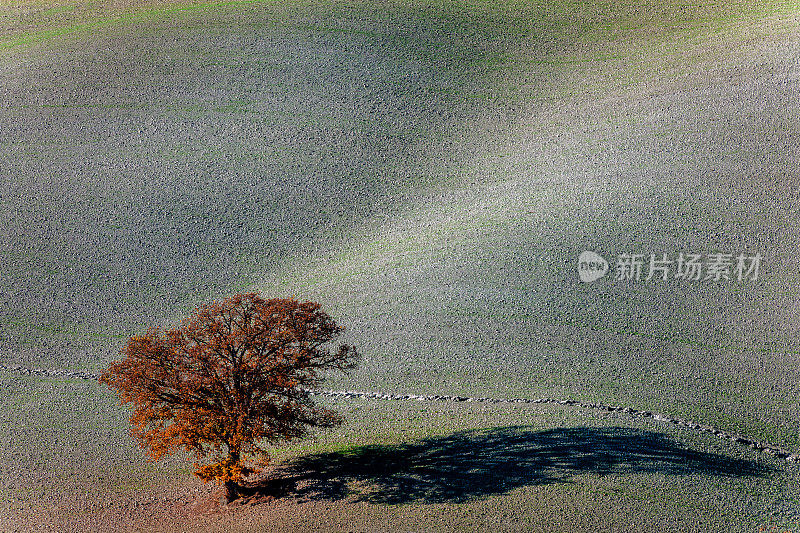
x,y
756,445
57,372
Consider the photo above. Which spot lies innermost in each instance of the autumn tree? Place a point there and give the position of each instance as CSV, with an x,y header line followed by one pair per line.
x,y
231,380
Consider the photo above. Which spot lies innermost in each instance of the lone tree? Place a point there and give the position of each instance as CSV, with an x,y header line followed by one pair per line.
x,y
231,380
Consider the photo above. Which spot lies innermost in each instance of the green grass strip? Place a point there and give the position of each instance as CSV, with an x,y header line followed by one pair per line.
x,y
44,35
74,332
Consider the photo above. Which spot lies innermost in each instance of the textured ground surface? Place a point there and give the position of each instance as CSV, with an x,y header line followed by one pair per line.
x,y
408,466
430,174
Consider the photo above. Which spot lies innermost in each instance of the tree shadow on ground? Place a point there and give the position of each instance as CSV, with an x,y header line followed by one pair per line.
x,y
479,463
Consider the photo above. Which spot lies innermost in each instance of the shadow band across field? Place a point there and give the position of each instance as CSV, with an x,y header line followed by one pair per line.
x,y
479,463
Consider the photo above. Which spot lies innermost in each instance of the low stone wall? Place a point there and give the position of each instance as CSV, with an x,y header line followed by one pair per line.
x,y
692,426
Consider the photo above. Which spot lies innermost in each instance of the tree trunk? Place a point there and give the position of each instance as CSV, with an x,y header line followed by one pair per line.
x,y
232,488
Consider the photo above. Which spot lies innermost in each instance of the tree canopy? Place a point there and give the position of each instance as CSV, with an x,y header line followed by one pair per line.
x,y
234,378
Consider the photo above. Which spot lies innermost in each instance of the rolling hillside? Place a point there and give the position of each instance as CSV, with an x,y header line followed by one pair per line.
x,y
428,171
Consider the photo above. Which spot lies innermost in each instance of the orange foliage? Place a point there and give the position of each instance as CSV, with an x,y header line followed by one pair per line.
x,y
231,380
